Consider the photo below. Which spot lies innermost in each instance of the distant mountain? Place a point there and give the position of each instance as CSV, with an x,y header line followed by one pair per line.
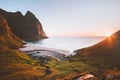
x,y
26,27
105,54
7,38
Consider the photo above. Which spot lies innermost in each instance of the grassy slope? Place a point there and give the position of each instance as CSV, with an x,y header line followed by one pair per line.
x,y
103,56
66,70
15,65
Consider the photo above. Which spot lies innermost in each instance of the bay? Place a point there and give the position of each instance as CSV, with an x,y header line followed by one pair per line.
x,y
67,43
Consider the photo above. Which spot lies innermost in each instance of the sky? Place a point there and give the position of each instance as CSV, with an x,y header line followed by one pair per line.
x,y
71,17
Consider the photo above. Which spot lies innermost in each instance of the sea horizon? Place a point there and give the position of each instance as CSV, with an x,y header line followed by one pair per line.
x,y
66,43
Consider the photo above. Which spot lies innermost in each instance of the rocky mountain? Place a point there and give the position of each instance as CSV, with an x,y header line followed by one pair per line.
x,y
105,54
26,27
7,38
15,65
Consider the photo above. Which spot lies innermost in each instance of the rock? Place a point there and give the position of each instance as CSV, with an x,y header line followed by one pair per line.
x,y
7,38
26,27
87,77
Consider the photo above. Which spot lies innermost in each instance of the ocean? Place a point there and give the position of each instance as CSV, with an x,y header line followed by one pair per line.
x,y
67,43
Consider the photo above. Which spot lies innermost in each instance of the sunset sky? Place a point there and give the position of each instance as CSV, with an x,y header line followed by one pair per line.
x,y
71,17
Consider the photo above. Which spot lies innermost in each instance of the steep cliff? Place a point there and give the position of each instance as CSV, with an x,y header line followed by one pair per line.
x,y
26,27
15,65
7,38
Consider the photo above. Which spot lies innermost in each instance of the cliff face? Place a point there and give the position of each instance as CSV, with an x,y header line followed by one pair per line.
x,y
14,65
105,54
7,38
26,27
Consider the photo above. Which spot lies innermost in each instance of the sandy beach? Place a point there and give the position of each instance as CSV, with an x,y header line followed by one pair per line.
x,y
44,51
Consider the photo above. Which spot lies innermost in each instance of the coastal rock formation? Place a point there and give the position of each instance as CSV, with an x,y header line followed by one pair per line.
x,y
15,65
7,38
26,27
105,54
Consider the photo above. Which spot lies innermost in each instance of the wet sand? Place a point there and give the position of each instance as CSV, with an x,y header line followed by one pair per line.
x,y
45,51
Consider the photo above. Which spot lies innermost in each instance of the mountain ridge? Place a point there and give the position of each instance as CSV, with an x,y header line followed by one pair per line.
x,y
103,54
6,36
27,27
14,64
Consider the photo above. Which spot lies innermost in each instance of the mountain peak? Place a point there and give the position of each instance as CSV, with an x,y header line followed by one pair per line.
x,y
26,27
19,13
29,13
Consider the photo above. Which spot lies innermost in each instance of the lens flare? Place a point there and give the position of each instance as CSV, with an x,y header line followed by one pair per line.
x,y
108,34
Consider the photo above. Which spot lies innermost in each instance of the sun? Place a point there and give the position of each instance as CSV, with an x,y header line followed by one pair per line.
x,y
108,34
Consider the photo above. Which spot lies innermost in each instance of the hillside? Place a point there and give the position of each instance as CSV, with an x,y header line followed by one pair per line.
x,y
26,27
7,38
103,57
15,65
104,54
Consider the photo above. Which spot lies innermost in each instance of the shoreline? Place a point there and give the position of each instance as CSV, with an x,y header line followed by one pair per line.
x,y
40,51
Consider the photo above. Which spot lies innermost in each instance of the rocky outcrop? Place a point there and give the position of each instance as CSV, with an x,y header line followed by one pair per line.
x,y
26,27
14,65
7,38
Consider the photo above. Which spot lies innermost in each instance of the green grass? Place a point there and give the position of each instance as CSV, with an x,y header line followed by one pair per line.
x,y
66,68
15,65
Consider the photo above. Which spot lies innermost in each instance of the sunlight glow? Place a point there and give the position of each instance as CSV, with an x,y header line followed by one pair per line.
x,y
103,34
108,34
